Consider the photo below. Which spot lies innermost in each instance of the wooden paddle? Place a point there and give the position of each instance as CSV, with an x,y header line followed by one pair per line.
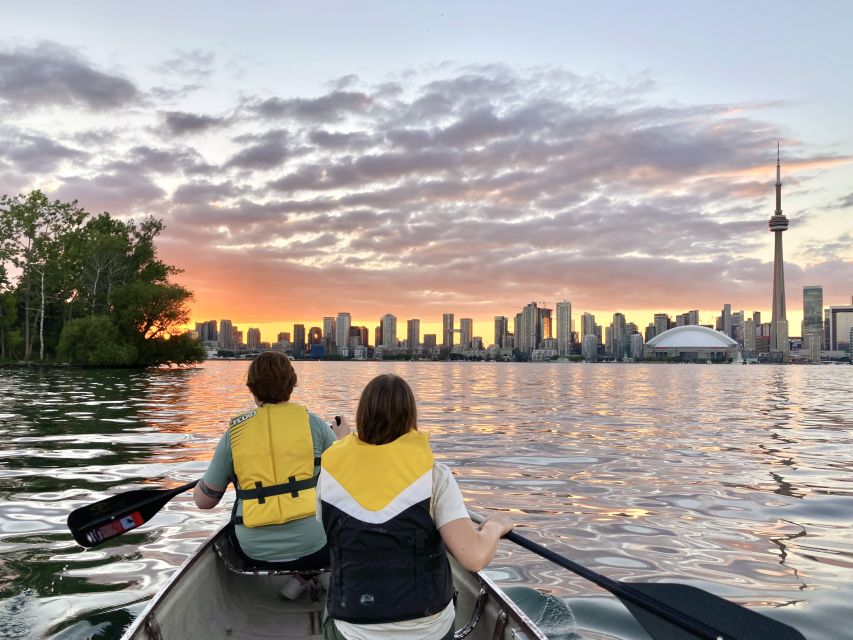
x,y
100,521
672,611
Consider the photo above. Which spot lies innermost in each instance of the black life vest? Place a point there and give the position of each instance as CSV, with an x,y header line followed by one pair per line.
x,y
389,562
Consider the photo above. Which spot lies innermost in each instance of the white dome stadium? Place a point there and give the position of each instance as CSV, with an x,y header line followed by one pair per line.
x,y
690,337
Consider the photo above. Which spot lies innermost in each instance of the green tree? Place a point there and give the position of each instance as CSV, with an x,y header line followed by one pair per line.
x,y
95,341
33,235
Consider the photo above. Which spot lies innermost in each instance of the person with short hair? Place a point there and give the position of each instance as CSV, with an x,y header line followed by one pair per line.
x,y
391,513
271,454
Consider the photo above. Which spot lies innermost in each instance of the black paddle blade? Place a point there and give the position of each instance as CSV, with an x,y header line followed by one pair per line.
x,y
96,523
729,620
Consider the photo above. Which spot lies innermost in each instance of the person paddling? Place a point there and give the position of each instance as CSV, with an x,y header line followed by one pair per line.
x,y
390,513
271,454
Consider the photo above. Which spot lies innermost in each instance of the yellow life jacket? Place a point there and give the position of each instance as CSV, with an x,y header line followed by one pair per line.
x,y
273,455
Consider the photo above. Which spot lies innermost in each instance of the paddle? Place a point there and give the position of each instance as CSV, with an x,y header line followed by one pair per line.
x,y
100,521
672,611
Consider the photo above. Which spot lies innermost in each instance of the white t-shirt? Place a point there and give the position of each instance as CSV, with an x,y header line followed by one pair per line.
x,y
446,506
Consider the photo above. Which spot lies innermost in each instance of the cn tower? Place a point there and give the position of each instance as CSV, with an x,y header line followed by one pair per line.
x,y
778,223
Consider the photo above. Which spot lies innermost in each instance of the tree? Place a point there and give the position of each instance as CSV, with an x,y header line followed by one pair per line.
x,y
95,341
33,235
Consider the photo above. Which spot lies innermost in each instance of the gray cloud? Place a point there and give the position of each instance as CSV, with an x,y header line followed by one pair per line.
x,y
36,153
180,123
266,151
844,203
195,63
203,192
52,75
120,192
329,108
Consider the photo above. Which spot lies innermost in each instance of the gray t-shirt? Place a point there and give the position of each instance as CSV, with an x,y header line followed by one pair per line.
x,y
280,542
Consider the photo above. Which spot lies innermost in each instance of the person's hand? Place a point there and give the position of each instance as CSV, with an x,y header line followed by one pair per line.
x,y
498,521
341,429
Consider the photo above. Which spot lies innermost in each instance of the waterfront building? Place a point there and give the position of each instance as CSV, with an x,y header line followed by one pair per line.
x,y
749,337
527,329
661,323
692,343
389,331
315,335
840,320
588,327
413,335
283,335
726,320
429,345
608,340
501,330
635,345
329,332
564,327
650,331
619,336
226,335
342,327
589,348
778,224
476,343
812,315
377,334
466,332
236,338
253,339
207,331
447,330
298,340
545,325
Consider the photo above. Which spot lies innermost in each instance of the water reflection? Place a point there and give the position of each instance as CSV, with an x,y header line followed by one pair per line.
x,y
735,479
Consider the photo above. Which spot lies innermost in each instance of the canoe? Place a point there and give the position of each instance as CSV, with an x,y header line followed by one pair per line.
x,y
214,595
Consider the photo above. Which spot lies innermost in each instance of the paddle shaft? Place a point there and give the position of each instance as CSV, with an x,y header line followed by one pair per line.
x,y
620,589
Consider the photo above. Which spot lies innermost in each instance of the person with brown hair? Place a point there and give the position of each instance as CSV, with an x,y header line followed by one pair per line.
x,y
391,513
271,454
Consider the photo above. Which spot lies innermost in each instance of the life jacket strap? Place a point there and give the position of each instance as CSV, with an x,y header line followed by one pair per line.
x,y
292,486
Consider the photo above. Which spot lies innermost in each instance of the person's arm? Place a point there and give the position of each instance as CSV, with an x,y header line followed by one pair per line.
x,y
473,546
210,489
206,496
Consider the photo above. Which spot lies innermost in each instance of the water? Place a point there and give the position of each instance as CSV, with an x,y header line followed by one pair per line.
x,y
735,479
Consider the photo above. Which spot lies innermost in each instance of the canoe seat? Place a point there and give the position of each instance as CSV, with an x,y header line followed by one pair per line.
x,y
226,547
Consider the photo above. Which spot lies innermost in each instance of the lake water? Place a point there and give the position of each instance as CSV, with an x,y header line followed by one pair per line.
x,y
735,479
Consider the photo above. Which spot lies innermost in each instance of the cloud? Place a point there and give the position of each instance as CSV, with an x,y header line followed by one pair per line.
x,y
195,63
121,192
329,108
265,151
52,75
843,203
181,123
35,154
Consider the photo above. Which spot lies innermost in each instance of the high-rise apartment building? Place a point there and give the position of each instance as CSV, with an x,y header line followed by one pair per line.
x,y
329,334
253,338
813,315
587,325
501,330
298,340
749,333
527,335
342,326
207,331
413,335
466,332
226,335
315,335
589,347
389,331
726,320
564,327
429,344
546,323
661,323
620,336
447,330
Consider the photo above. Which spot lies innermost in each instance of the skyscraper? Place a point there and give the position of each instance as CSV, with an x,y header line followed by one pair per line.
x,y
342,327
253,338
298,340
501,330
389,331
527,332
777,224
447,330
564,327
813,315
466,332
329,331
226,335
620,336
587,325
413,335
661,323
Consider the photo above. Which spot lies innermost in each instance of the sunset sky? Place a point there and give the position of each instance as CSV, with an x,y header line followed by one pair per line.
x,y
422,158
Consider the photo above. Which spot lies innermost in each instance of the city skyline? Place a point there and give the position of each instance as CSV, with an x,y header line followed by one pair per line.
x,y
497,157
